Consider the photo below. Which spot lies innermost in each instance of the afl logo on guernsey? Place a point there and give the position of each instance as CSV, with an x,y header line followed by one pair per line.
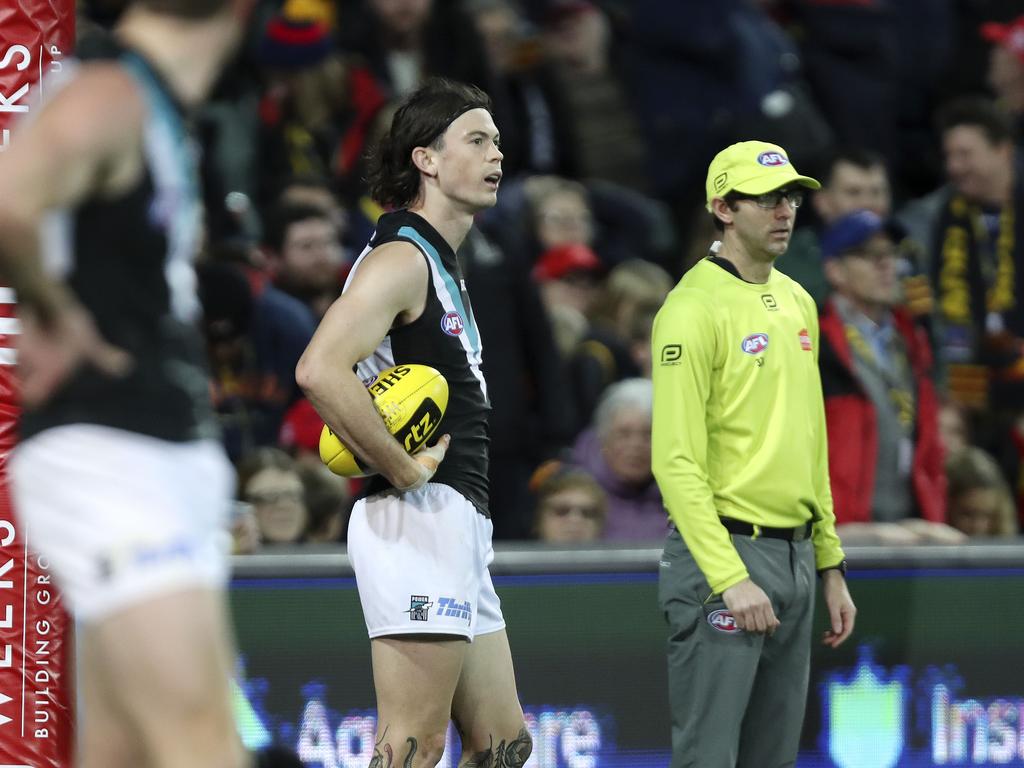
x,y
805,340
723,621
772,159
755,343
452,323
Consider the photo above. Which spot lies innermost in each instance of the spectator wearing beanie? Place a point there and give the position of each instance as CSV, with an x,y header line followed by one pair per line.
x,y
317,110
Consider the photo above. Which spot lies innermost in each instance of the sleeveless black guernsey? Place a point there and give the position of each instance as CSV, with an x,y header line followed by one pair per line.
x,y
128,259
444,337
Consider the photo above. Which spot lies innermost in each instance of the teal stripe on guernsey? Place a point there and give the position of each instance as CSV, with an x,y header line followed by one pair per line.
x,y
449,282
167,114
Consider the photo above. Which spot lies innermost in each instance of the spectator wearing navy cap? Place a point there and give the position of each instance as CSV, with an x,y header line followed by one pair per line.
x,y
853,179
885,454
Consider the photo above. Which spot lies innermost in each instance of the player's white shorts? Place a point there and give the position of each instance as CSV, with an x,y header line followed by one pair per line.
x,y
421,560
123,517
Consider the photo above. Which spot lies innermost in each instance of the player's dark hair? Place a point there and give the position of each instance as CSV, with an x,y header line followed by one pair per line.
x,y
283,216
420,121
978,112
185,9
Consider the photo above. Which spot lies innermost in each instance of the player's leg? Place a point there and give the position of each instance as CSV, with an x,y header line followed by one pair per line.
x,y
415,559
486,707
171,659
106,739
711,668
771,729
415,679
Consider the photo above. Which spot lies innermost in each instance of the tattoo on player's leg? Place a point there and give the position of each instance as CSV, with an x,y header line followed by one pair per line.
x,y
512,755
412,751
518,750
384,756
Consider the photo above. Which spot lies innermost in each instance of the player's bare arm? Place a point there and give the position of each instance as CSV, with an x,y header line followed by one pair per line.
x,y
83,144
389,289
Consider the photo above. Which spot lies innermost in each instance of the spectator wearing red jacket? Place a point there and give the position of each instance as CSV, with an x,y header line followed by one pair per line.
x,y
885,454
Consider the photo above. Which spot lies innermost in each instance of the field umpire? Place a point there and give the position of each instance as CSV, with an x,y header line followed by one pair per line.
x,y
740,453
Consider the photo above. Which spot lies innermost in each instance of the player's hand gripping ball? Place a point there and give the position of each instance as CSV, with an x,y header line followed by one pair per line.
x,y
410,398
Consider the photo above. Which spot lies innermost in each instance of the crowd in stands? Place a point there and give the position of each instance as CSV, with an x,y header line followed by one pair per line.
x,y
910,112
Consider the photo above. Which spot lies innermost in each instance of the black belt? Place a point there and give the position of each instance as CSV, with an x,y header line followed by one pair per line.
x,y
742,528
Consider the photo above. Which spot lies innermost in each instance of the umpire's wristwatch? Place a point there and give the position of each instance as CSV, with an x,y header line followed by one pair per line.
x,y
840,566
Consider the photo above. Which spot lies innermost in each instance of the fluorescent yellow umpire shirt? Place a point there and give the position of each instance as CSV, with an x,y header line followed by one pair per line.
x,y
739,419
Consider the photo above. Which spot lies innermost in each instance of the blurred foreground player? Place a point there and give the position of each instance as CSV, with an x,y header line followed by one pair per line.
x,y
120,476
420,542
739,450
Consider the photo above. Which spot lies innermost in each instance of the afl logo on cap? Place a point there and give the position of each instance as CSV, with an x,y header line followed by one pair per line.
x,y
452,324
723,621
755,343
772,159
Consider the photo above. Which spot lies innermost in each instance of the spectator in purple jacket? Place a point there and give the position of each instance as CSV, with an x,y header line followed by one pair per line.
x,y
616,450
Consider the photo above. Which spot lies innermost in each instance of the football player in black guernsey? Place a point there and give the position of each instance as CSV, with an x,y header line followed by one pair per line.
x,y
120,474
420,540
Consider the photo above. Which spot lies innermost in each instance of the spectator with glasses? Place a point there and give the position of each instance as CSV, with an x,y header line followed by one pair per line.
x,y
881,409
571,506
269,480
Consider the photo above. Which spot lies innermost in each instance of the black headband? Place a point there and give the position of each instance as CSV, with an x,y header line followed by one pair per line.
x,y
454,116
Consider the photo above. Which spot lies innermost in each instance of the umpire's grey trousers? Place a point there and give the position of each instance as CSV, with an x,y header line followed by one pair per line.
x,y
737,698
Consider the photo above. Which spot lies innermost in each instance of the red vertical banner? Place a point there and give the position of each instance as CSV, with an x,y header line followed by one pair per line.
x,y
36,716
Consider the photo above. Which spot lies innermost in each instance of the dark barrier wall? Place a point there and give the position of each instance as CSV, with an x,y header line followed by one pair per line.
x,y
934,675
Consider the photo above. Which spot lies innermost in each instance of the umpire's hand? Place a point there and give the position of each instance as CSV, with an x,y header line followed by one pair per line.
x,y
751,608
841,610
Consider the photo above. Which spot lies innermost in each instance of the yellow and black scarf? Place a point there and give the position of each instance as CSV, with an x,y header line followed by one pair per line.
x,y
975,277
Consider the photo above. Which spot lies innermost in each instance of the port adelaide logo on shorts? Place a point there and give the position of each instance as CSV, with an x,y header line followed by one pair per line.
x,y
419,607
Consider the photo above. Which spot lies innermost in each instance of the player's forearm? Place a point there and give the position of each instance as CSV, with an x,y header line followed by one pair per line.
x,y
346,407
21,269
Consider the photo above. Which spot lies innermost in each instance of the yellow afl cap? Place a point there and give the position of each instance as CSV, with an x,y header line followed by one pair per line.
x,y
753,168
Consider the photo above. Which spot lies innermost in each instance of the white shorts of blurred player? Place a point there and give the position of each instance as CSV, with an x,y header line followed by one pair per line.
x,y
420,560
122,517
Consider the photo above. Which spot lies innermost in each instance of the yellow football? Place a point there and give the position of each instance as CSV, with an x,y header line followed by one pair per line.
x,y
410,398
